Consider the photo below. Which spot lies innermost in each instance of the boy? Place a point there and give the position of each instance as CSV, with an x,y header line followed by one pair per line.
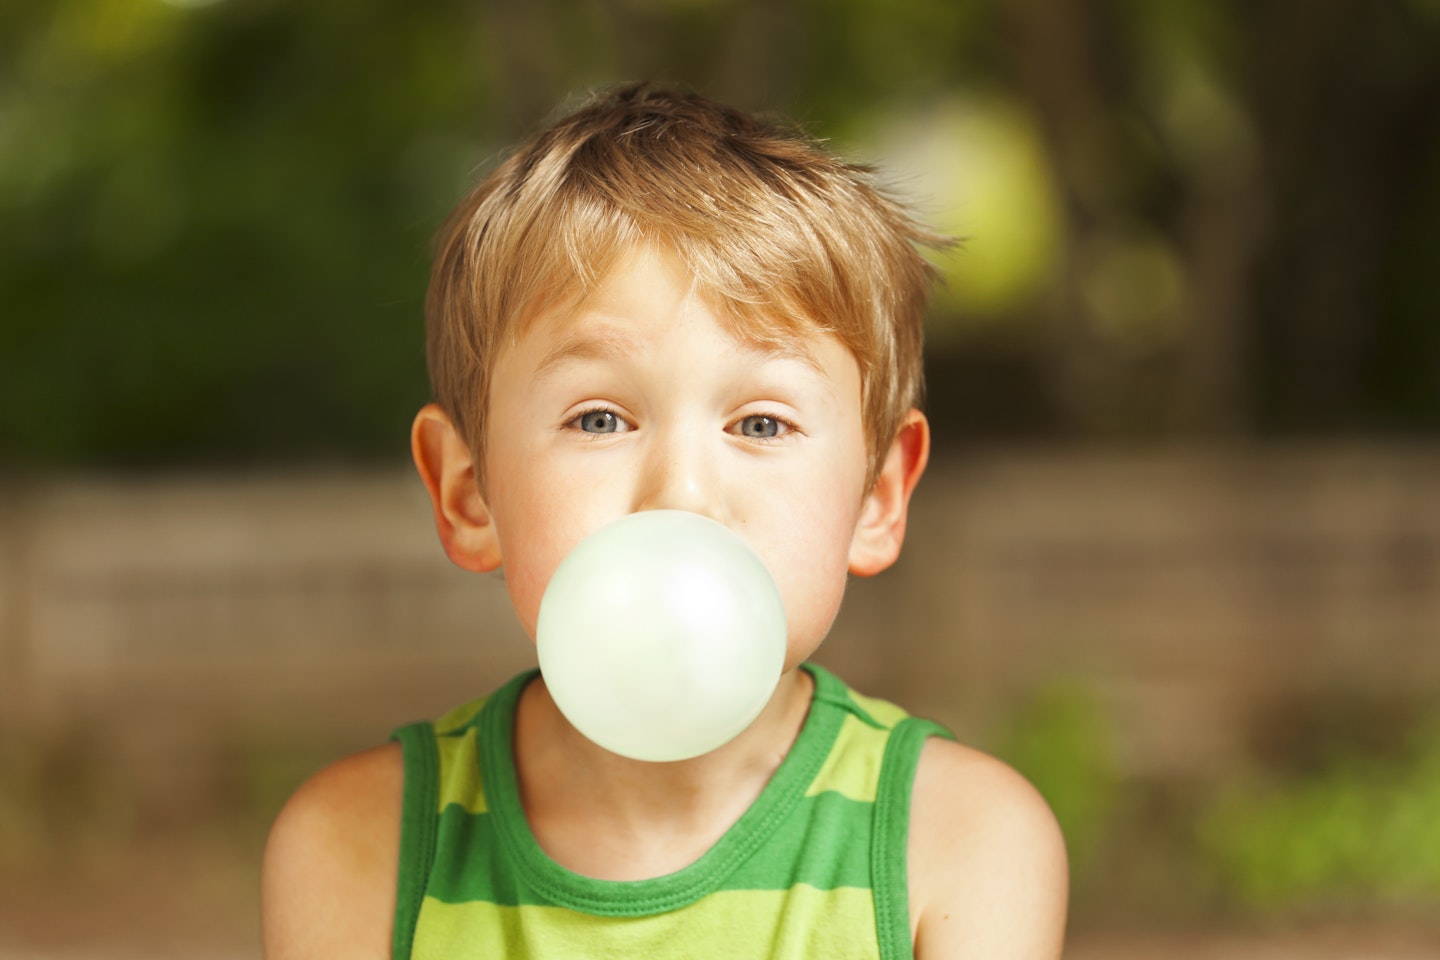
x,y
662,303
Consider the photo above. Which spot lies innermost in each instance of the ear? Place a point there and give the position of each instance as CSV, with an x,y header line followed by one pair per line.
x,y
466,528
881,529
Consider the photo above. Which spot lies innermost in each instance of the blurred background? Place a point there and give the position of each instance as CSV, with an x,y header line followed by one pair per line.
x,y
1177,558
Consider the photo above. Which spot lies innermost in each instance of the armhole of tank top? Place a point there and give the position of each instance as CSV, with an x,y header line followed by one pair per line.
x,y
417,831
889,866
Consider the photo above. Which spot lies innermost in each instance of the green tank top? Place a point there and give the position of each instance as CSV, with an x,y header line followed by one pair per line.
x,y
814,868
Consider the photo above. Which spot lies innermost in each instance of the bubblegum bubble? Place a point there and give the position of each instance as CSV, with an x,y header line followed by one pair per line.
x,y
661,636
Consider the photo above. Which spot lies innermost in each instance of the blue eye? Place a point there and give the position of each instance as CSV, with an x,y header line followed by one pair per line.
x,y
599,421
759,427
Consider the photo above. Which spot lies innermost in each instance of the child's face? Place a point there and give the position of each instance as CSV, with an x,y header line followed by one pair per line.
x,y
639,399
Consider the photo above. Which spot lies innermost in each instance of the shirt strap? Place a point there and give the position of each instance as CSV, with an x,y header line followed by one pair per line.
x,y
417,830
891,838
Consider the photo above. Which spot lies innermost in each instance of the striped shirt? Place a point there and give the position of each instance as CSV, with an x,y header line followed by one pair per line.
x,y
814,868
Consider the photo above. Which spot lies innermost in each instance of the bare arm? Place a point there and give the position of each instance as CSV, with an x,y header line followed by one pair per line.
x,y
328,885
988,873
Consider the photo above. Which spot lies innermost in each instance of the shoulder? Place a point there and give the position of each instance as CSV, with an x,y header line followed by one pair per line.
x,y
987,868
328,884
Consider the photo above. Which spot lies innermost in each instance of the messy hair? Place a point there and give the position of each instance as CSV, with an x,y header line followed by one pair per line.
x,y
782,238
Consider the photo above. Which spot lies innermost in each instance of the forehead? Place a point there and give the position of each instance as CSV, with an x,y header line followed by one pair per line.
x,y
597,339
648,291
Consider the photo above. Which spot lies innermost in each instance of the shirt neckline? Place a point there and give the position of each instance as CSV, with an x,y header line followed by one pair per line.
x,y
566,888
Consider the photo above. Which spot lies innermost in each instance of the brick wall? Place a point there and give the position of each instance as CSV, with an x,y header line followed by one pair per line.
x,y
1196,594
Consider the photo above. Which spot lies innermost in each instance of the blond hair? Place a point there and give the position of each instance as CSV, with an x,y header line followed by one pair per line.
x,y
782,237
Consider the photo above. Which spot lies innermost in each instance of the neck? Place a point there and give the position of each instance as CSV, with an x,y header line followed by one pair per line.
x,y
608,816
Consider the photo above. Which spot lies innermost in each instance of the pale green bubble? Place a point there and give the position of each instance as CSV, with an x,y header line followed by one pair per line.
x,y
661,636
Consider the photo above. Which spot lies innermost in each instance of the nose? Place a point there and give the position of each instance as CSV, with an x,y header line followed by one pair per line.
x,y
680,472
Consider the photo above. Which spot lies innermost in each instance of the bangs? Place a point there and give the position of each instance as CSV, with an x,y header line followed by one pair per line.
x,y
783,240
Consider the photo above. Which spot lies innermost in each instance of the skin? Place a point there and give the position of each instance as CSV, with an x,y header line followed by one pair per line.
x,y
638,398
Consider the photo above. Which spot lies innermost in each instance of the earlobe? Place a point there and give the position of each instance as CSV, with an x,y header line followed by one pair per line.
x,y
462,518
881,530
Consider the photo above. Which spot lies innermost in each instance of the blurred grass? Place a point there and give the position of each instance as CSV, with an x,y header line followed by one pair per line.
x,y
1347,834
1060,740
1349,831
1361,833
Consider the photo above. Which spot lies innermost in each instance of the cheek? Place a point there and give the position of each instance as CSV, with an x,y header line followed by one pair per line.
x,y
543,519
811,566
535,533
526,585
812,601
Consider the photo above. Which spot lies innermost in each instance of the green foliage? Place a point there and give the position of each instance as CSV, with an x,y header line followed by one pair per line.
x,y
1362,830
1061,741
215,216
215,228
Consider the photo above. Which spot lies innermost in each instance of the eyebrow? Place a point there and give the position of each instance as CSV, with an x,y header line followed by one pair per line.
x,y
609,343
606,343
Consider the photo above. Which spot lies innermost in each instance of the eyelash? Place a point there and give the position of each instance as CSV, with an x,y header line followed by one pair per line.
x,y
576,422
786,427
